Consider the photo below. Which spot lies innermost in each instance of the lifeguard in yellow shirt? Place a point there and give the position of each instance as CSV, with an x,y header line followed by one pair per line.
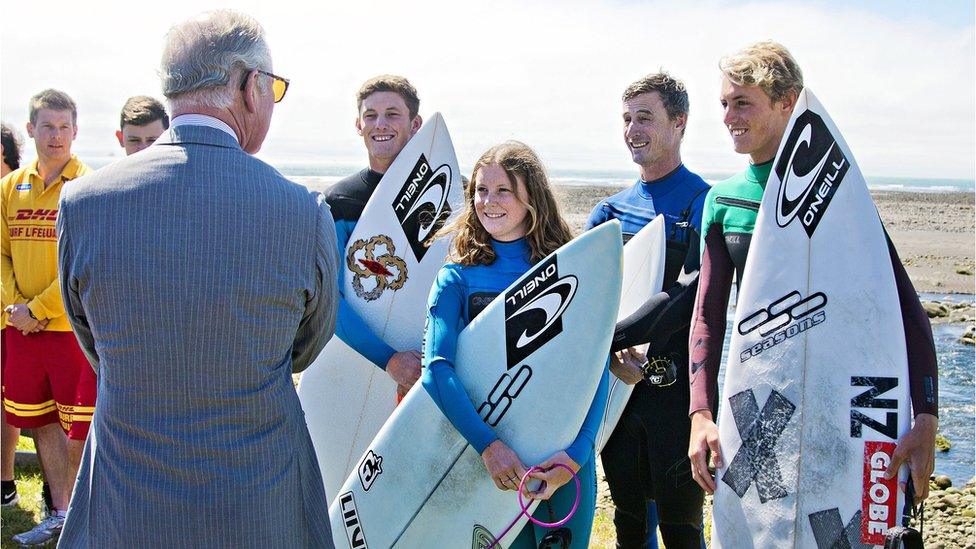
x,y
48,384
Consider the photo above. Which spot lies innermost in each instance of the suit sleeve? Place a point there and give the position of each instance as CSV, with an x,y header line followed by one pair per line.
x,y
318,323
923,375
69,287
8,286
445,312
665,313
350,327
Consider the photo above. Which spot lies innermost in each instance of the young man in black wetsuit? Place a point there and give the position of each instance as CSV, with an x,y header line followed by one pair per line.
x,y
645,459
760,87
388,116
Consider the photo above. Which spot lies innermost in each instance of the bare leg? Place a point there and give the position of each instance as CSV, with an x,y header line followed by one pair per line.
x,y
75,449
10,435
52,449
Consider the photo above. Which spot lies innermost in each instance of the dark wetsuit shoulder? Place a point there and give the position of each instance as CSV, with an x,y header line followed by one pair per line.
x,y
349,196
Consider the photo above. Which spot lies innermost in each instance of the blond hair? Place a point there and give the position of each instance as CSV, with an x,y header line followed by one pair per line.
x,y
547,229
768,65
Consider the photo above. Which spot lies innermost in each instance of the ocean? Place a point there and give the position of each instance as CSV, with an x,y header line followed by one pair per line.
x,y
322,175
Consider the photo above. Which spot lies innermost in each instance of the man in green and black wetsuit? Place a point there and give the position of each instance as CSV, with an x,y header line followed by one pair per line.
x,y
759,90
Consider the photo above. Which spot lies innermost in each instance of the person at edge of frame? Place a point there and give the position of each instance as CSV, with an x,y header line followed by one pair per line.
x,y
760,87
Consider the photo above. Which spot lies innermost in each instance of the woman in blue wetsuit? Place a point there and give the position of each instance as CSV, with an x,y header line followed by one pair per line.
x,y
510,222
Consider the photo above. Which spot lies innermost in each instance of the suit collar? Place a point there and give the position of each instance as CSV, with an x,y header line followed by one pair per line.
x,y
200,135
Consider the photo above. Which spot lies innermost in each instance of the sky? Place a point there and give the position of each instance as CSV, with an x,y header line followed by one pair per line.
x,y
897,76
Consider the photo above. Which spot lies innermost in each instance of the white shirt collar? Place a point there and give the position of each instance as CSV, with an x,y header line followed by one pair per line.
x,y
203,120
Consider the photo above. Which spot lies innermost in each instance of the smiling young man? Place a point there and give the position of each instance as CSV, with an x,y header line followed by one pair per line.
x,y
645,459
760,86
49,386
143,120
388,116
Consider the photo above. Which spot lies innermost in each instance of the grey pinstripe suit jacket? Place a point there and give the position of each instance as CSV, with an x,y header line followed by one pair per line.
x,y
197,278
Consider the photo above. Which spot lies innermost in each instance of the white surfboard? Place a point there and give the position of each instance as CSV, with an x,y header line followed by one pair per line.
x,y
531,363
816,388
643,277
387,275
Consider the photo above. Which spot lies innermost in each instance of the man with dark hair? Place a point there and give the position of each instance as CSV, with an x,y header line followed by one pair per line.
x,y
387,118
143,120
49,386
198,315
645,458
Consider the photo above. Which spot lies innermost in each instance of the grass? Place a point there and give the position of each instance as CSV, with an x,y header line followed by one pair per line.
x,y
27,513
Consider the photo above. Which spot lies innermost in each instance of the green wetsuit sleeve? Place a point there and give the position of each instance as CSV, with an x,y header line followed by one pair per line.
x,y
445,320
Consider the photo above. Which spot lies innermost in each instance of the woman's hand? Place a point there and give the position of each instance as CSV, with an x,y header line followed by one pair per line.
x,y
553,477
503,465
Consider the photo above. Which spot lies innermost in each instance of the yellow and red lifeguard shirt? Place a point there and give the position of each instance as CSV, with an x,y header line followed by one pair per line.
x,y
30,242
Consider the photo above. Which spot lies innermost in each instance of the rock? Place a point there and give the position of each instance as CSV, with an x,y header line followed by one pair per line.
x,y
969,337
969,513
942,444
964,271
934,309
942,481
953,491
939,504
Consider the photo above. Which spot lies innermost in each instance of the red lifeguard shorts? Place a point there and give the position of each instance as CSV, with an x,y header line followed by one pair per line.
x,y
47,379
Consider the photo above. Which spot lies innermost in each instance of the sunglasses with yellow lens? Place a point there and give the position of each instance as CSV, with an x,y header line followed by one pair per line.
x,y
279,85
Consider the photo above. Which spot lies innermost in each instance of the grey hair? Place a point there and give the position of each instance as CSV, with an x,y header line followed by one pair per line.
x,y
205,56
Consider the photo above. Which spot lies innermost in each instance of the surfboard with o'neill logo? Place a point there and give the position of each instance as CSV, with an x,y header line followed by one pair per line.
x,y
816,389
530,362
387,273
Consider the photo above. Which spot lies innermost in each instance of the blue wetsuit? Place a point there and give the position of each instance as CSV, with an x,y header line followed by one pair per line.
x,y
646,456
347,198
458,295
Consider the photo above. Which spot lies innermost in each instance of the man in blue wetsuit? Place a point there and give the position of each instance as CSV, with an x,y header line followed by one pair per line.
x,y
388,116
645,459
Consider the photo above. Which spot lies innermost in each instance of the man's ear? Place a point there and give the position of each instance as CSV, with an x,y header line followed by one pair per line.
x,y
681,121
415,124
359,125
789,101
30,130
250,93
118,135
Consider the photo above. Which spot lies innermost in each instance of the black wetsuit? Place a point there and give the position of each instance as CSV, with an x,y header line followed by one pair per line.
x,y
646,456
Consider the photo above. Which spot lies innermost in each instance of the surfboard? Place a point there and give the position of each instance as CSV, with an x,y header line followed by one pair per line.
x,y
643,277
816,388
419,483
387,275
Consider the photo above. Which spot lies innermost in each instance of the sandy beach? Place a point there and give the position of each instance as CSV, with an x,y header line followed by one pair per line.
x,y
934,233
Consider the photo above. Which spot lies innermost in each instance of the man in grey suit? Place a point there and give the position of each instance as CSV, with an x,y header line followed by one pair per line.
x,y
198,279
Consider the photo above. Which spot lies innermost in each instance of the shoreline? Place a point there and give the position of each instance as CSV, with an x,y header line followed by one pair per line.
x,y
934,232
